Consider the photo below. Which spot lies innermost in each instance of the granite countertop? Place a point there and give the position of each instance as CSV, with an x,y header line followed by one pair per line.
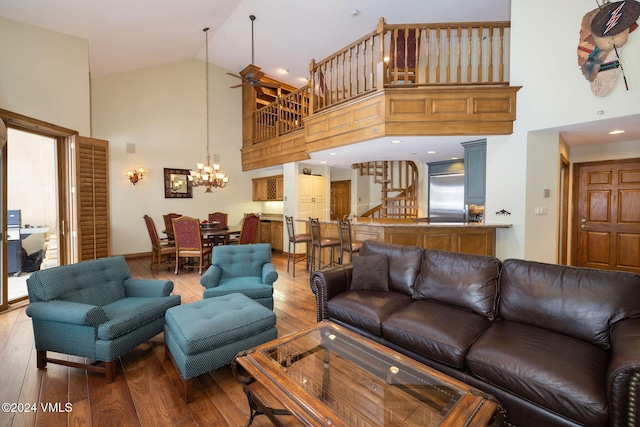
x,y
421,224
271,217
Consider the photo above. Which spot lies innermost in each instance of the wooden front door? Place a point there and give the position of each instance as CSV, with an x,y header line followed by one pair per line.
x,y
607,226
340,199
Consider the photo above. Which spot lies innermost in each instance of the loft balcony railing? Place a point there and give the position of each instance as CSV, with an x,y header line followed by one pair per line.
x,y
394,56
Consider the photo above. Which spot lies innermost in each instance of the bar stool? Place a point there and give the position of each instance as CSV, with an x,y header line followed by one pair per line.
x,y
346,243
318,242
293,239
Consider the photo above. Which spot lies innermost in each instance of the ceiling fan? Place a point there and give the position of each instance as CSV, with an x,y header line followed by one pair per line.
x,y
253,77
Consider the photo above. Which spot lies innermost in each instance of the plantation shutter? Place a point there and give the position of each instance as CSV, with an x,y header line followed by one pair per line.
x,y
92,195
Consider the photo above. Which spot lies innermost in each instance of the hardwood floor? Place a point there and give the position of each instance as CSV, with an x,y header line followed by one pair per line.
x,y
146,390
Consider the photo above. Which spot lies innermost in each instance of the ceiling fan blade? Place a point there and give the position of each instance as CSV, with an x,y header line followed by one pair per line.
x,y
257,76
240,85
258,89
235,75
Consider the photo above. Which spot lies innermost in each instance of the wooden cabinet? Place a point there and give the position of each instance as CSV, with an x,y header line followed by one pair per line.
x,y
475,156
271,232
277,239
312,197
267,189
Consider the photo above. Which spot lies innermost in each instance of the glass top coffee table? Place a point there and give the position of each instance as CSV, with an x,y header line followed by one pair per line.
x,y
328,375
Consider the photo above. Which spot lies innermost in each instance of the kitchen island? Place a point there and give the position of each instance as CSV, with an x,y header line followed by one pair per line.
x,y
468,237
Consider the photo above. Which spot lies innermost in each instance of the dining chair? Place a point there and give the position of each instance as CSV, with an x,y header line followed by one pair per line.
x,y
318,242
293,240
188,236
220,217
158,248
168,225
249,229
346,242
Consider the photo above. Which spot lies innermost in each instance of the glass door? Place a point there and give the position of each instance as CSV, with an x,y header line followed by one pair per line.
x,y
31,208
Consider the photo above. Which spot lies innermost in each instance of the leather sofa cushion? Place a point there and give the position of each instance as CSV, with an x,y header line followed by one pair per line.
x,y
552,370
404,263
366,309
441,332
579,302
464,280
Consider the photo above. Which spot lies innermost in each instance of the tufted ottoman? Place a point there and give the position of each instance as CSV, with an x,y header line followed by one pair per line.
x,y
205,335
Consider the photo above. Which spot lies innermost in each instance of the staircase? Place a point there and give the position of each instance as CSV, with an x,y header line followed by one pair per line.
x,y
399,180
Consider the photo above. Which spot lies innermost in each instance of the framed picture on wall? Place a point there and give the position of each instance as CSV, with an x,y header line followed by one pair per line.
x,y
177,184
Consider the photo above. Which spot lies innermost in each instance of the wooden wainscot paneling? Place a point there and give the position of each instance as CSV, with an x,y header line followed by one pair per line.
x,y
450,110
277,151
347,123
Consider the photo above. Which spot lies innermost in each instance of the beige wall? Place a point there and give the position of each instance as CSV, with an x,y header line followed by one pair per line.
x,y
45,75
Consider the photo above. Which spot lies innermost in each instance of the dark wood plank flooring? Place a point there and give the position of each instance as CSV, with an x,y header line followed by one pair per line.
x,y
147,389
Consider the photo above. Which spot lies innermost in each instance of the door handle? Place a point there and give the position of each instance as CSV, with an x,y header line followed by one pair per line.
x,y
584,227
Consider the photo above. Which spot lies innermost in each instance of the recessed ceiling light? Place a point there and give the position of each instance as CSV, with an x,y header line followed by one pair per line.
x,y
454,158
332,154
431,152
284,71
323,162
395,141
616,132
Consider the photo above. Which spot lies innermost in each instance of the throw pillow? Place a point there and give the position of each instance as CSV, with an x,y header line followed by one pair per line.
x,y
370,272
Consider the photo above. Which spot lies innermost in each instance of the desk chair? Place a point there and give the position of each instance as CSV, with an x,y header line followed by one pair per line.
x,y
293,239
188,235
158,248
318,242
346,243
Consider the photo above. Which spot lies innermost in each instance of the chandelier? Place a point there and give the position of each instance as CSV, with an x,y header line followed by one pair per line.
x,y
208,175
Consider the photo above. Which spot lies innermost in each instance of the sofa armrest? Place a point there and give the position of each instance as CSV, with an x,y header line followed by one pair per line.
x,y
269,274
211,277
623,376
327,283
147,287
74,313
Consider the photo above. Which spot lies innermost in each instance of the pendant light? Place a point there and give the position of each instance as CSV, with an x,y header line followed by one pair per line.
x,y
208,175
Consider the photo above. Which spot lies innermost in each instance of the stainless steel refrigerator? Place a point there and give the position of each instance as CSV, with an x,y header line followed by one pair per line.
x,y
446,197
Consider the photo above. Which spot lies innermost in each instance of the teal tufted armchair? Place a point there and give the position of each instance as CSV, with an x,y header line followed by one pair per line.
x,y
245,269
95,309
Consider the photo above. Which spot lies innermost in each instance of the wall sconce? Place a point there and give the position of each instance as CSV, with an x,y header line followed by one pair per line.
x,y
135,175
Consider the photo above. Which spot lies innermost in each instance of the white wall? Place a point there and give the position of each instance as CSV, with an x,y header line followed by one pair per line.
x,y
45,75
162,110
554,93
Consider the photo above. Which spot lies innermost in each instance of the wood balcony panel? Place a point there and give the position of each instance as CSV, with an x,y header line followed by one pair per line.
x,y
277,151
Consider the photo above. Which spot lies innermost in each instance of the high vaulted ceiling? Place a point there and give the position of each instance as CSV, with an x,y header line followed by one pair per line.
x,y
126,35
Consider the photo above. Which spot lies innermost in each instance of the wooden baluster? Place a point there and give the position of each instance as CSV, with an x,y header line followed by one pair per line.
x,y
501,53
490,37
372,62
459,55
357,68
416,68
469,49
427,70
350,79
344,86
438,41
480,59
448,44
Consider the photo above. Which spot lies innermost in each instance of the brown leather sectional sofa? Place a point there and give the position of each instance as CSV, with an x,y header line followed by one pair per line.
x,y
556,345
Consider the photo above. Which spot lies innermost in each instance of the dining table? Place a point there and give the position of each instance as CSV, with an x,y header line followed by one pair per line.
x,y
214,235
